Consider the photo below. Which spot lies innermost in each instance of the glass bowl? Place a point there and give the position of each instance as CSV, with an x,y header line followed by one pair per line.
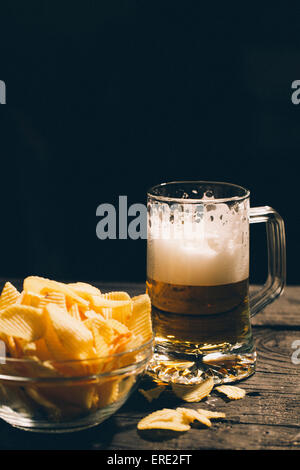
x,y
64,396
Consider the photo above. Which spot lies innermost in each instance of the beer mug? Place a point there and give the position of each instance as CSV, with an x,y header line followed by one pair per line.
x,y
198,279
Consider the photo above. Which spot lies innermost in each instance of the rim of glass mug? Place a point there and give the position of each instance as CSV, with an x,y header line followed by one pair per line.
x,y
244,193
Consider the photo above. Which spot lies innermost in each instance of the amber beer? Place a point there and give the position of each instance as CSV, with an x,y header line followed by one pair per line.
x,y
198,279
200,318
197,276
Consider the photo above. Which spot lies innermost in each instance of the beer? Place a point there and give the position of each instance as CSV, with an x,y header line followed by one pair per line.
x,y
198,281
200,318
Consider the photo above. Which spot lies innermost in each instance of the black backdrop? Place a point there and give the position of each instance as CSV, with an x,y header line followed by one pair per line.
x,y
107,98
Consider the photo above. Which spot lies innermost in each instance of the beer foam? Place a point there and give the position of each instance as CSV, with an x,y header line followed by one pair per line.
x,y
203,245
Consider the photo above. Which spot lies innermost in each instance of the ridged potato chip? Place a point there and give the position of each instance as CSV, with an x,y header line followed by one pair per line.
x,y
74,312
73,335
194,392
84,290
35,367
57,298
140,321
53,411
232,392
117,326
37,348
103,327
191,415
55,347
22,321
120,310
10,345
41,285
31,298
117,295
9,296
80,396
170,425
108,392
100,343
164,419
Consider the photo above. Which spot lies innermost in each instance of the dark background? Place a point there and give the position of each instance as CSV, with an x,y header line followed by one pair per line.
x,y
107,98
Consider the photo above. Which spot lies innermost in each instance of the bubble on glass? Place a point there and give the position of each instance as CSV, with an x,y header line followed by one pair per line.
x,y
209,194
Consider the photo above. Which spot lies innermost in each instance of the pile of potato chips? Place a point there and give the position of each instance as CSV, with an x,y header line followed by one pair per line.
x,y
72,330
180,419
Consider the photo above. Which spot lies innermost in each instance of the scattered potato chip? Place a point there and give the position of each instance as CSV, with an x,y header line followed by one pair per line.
x,y
164,419
164,414
9,296
170,425
191,415
232,392
194,392
152,393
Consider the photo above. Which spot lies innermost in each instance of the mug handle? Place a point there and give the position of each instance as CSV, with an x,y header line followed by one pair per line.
x,y
276,279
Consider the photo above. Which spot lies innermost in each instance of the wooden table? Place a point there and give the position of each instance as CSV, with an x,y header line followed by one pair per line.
x,y
267,418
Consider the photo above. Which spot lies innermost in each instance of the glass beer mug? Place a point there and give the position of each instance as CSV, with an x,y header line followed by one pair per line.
x,y
198,279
